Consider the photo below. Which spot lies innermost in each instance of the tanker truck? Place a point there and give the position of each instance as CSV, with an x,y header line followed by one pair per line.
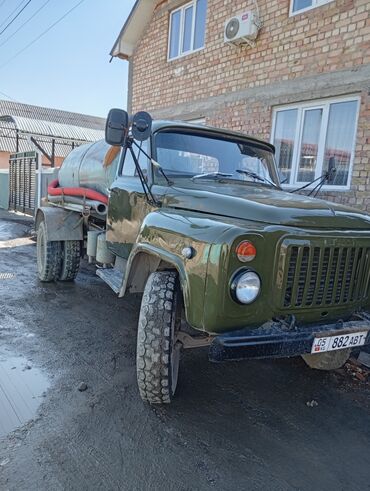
x,y
195,219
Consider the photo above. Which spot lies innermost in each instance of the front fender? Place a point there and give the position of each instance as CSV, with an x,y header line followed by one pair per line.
x,y
163,236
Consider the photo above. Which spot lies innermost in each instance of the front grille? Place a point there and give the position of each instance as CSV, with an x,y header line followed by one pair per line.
x,y
325,276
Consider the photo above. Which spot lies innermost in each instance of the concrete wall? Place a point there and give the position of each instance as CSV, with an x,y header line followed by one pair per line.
x,y
4,189
324,52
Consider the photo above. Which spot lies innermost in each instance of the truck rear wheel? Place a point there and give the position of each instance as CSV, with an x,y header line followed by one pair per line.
x,y
158,352
70,264
330,360
48,256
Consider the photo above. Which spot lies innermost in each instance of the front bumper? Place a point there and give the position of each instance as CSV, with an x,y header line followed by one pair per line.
x,y
277,340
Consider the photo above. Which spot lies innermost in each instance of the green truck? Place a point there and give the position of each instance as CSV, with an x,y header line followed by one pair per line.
x,y
195,218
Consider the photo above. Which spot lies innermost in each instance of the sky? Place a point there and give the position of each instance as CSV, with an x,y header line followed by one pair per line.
x,y
67,68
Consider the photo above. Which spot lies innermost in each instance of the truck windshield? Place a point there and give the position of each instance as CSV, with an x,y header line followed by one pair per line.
x,y
207,156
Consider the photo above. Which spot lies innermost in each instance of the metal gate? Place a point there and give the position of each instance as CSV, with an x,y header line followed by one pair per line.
x,y
22,181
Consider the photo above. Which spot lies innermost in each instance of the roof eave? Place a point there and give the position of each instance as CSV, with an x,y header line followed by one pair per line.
x,y
131,32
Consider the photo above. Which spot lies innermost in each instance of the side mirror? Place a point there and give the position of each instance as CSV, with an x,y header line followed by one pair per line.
x,y
141,126
116,127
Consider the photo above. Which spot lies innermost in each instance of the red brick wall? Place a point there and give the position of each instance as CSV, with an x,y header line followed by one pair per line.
x,y
327,38
236,87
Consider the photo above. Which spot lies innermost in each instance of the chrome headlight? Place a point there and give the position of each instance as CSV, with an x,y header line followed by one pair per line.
x,y
245,287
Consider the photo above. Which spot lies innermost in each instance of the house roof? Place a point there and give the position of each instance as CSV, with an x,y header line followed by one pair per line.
x,y
130,34
52,129
48,114
47,124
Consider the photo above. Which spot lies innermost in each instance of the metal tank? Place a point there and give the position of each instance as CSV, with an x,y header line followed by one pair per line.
x,y
84,167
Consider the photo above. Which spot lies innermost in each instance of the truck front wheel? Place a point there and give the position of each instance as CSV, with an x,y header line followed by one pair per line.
x,y
48,256
158,352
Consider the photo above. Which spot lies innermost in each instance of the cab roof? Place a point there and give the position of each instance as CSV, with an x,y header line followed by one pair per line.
x,y
158,125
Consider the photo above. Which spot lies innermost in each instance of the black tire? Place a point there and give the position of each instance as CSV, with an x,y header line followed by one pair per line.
x,y
70,264
158,353
330,360
48,256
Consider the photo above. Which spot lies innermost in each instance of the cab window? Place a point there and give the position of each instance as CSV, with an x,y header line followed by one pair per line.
x,y
129,168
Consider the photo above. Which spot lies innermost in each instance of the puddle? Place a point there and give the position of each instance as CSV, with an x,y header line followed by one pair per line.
x,y
21,390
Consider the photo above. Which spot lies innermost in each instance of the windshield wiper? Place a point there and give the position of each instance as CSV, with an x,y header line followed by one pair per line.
x,y
216,175
255,176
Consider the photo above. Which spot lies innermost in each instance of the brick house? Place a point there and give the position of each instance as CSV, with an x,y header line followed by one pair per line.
x,y
304,86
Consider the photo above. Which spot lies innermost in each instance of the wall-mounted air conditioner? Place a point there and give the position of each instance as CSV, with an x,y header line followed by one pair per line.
x,y
242,29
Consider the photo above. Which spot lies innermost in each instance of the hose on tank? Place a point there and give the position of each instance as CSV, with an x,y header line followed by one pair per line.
x,y
55,190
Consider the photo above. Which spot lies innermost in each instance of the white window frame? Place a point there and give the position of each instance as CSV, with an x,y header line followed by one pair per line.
x,y
301,108
182,9
315,4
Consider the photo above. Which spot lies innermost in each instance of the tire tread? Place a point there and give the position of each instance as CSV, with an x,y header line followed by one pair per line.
x,y
154,338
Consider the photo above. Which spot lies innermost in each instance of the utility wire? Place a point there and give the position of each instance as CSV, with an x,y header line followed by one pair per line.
x,y
12,12
42,34
24,23
7,96
14,18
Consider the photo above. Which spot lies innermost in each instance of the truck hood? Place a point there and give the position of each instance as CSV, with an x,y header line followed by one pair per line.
x,y
267,205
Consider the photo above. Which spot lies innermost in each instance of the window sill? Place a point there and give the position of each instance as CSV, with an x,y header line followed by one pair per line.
x,y
307,9
183,55
326,188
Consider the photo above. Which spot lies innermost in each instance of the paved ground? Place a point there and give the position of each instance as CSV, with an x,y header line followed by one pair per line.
x,y
233,427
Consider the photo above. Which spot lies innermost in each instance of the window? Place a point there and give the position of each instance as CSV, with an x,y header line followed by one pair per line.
x,y
129,168
185,155
298,6
308,136
187,29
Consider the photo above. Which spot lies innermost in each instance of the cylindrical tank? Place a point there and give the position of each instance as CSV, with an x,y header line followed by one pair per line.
x,y
103,254
84,167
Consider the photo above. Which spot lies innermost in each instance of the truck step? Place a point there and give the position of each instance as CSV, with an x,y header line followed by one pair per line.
x,y
112,277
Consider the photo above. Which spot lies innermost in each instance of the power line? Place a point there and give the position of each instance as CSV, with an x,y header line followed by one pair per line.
x,y
12,12
14,18
42,34
24,23
7,96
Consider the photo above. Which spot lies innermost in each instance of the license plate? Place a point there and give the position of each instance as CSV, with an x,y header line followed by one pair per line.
x,y
330,343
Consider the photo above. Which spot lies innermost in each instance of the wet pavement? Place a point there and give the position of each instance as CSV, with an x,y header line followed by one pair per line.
x,y
21,390
232,426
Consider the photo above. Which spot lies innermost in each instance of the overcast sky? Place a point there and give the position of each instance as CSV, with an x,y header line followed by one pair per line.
x,y
68,68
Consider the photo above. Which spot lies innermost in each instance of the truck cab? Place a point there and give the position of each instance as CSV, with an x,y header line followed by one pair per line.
x,y
196,219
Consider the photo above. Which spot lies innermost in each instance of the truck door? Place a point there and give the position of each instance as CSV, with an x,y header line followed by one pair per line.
x,y
128,205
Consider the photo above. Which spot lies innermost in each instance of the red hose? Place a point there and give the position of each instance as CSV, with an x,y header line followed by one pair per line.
x,y
55,190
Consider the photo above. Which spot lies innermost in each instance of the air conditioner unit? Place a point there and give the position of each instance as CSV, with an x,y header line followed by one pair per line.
x,y
242,29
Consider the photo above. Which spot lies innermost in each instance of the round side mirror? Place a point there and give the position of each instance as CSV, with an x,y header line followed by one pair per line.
x,y
141,126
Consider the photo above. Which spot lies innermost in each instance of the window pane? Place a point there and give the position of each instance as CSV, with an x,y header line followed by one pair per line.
x,y
309,145
129,168
188,24
301,4
175,34
200,24
285,127
339,140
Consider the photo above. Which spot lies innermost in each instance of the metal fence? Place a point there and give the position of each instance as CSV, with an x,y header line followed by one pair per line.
x,y
22,181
